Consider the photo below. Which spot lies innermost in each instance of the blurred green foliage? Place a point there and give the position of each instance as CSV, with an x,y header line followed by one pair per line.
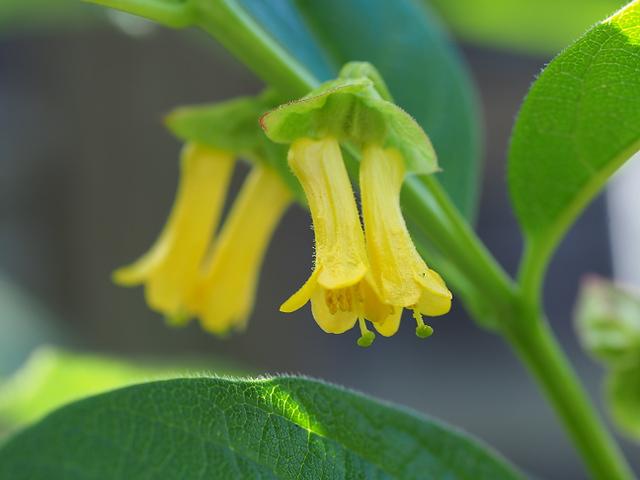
x,y
608,323
533,26
53,377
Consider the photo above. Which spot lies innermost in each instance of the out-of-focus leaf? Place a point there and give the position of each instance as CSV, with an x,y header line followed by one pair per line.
x,y
578,124
623,398
53,377
20,15
284,428
423,71
608,323
533,26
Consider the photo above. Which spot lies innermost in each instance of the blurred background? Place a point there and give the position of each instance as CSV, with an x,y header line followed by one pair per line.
x,y
88,175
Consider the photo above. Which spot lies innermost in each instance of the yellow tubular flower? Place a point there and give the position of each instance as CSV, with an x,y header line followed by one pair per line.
x,y
225,295
401,275
170,268
340,289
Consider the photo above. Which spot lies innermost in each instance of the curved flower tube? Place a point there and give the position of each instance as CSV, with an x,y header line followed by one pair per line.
x,y
170,268
225,294
340,289
400,274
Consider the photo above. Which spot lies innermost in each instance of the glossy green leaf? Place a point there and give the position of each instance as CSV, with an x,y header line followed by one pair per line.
x,y
54,377
423,71
533,26
578,124
285,428
623,399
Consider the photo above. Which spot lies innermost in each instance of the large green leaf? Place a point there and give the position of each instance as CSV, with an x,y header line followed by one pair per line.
x,y
423,71
534,26
578,124
284,428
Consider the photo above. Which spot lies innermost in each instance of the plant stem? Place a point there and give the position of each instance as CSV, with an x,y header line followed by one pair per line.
x,y
537,347
230,24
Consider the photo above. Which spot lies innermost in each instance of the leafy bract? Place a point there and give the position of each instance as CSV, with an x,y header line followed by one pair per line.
x,y
234,126
578,124
353,109
405,41
285,428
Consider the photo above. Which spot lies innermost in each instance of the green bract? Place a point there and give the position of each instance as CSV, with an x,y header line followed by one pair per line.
x,y
352,109
233,126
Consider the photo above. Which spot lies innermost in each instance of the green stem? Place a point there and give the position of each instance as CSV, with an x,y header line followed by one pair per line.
x,y
230,24
536,346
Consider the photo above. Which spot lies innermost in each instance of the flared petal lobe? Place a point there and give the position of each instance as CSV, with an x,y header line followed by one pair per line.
x,y
224,297
170,268
399,272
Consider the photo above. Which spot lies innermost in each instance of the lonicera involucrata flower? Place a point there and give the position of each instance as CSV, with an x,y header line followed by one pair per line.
x,y
355,111
191,271
340,287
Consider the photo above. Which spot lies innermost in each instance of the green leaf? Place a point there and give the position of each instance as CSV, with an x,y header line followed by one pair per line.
x,y
623,398
53,377
352,108
578,124
285,428
423,71
533,26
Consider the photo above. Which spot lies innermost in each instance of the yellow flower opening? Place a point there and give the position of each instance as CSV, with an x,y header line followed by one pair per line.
x,y
169,269
400,274
224,296
340,288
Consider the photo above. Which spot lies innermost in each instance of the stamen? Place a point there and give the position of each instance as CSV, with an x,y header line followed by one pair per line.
x,y
367,336
330,300
422,330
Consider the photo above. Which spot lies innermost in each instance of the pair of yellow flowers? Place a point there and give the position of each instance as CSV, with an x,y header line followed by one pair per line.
x,y
370,274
